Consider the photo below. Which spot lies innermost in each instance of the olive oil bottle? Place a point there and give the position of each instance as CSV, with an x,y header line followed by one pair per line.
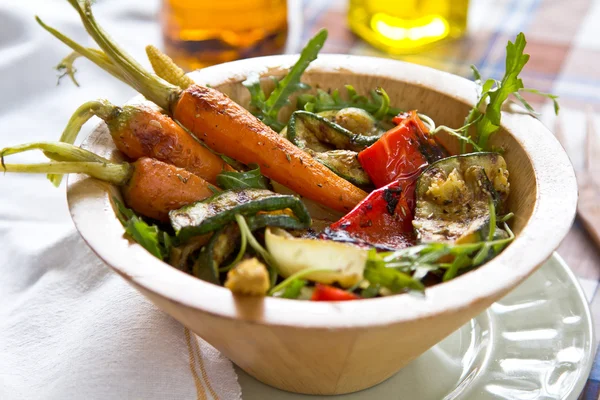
x,y
198,33
407,26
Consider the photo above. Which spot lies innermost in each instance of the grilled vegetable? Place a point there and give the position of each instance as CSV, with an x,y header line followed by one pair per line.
x,y
151,187
292,255
401,152
220,246
345,164
393,163
357,121
223,242
318,135
228,128
330,293
180,255
453,197
383,219
249,277
311,131
219,210
142,130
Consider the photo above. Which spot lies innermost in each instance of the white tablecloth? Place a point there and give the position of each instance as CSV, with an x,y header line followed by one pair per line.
x,y
69,327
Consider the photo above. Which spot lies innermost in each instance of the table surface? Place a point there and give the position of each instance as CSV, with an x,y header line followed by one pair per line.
x,y
565,53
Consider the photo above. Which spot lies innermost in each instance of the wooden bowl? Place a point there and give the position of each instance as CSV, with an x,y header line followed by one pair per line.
x,y
333,348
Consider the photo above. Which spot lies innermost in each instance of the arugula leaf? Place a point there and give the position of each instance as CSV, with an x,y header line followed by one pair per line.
x,y
370,291
552,97
525,103
293,290
232,163
378,102
291,82
384,99
495,93
268,108
377,273
461,261
124,214
424,258
150,237
146,235
242,180
515,61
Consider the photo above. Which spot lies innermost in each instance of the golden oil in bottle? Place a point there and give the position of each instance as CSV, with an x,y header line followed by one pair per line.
x,y
407,26
198,33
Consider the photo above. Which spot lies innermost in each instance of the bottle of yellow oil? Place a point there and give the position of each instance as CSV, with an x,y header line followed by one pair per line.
x,y
198,33
407,26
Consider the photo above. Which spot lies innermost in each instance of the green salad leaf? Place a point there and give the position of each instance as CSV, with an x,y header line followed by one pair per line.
x,y
150,237
511,83
494,93
378,273
417,261
378,102
370,291
242,180
293,290
268,108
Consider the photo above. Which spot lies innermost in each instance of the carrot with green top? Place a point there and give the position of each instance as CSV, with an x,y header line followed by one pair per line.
x,y
150,187
228,128
142,130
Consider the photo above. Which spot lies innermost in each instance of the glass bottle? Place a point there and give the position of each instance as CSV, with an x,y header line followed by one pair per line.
x,y
407,26
198,33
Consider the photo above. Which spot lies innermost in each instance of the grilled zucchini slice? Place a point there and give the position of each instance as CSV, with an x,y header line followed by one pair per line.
x,y
315,132
453,194
345,164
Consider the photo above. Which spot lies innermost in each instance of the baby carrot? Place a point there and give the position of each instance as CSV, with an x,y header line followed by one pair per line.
x,y
227,127
150,187
142,130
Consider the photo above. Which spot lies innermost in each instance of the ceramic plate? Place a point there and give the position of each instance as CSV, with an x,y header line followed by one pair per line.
x,y
536,343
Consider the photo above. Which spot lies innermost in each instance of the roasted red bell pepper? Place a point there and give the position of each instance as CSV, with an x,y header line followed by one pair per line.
x,y
401,151
394,163
330,293
383,218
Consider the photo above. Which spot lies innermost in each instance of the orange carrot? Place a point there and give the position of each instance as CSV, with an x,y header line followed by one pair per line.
x,y
228,128
150,187
142,130
224,125
155,188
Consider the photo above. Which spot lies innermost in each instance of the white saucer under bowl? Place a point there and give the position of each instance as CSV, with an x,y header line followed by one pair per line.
x,y
535,343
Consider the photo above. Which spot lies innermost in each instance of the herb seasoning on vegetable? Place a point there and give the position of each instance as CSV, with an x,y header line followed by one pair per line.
x,y
349,198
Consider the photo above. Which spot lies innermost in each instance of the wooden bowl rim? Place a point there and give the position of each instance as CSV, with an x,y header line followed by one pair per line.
x,y
553,214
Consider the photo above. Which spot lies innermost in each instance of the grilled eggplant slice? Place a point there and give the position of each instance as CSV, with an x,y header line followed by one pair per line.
x,y
453,197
